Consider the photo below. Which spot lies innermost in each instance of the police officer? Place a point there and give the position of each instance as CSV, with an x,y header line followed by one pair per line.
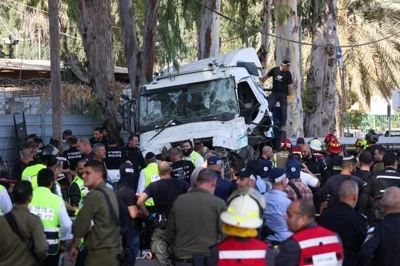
x,y
334,160
382,245
98,220
51,210
190,155
77,189
46,154
72,154
280,158
344,220
14,250
240,222
115,156
376,184
321,242
148,175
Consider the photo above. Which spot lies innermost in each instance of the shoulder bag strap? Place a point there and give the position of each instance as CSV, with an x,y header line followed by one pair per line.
x,y
112,210
296,190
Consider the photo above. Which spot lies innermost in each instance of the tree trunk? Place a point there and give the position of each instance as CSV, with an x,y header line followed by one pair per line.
x,y
55,69
131,47
339,118
95,28
209,31
321,80
149,40
287,26
263,52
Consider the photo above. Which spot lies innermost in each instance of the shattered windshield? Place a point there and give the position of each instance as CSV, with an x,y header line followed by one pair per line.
x,y
190,101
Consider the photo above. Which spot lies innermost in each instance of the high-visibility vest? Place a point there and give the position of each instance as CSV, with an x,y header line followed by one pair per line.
x,y
280,159
47,205
1,210
30,173
81,184
233,252
193,156
319,243
151,175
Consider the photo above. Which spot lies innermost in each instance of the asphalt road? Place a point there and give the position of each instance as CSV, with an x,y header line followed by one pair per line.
x,y
139,262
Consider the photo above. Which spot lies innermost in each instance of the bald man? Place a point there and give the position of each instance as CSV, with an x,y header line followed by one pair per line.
x,y
85,149
164,192
382,245
345,221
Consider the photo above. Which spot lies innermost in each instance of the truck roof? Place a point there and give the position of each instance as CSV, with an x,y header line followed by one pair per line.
x,y
229,60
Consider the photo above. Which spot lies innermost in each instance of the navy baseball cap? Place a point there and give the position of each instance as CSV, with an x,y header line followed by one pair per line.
x,y
214,160
277,175
293,168
67,132
267,167
247,173
150,155
255,166
285,63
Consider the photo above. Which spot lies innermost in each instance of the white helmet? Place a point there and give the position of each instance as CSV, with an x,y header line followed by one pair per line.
x,y
316,145
244,210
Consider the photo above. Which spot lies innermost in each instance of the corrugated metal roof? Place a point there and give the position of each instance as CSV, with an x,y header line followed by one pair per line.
x,y
39,65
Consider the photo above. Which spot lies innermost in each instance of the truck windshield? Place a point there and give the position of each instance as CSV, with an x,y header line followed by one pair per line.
x,y
191,101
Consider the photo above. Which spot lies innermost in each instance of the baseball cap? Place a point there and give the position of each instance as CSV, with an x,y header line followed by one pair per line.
x,y
150,155
214,160
267,166
277,175
255,166
285,63
365,157
67,132
349,157
300,141
247,173
293,168
112,141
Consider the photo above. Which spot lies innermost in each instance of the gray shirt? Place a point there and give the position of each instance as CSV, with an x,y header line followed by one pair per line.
x,y
193,223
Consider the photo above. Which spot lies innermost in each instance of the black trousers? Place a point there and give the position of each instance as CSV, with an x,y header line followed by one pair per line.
x,y
52,260
273,98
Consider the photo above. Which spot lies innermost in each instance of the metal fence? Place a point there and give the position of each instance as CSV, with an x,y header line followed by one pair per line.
x,y
364,122
81,126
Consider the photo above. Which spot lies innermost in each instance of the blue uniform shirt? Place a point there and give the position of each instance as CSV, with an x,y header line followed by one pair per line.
x,y
223,189
275,211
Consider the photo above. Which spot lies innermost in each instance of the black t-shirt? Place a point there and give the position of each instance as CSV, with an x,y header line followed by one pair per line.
x,y
362,174
89,157
281,80
126,197
73,156
182,169
114,158
164,192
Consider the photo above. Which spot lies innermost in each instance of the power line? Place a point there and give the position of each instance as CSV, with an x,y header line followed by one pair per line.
x,y
31,7
290,40
7,29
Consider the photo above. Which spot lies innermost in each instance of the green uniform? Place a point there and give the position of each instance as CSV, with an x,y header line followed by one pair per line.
x,y
47,205
30,173
12,250
103,240
151,175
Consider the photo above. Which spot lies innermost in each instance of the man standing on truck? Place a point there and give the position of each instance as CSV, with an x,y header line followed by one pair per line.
x,y
282,87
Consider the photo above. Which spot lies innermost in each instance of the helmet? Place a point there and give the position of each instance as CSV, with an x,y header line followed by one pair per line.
x,y
286,144
372,136
47,153
335,146
329,138
245,209
358,142
316,145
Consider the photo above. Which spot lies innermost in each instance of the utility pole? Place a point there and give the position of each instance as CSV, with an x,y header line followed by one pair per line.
x,y
55,69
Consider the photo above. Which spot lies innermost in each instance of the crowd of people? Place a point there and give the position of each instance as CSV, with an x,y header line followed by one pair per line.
x,y
304,204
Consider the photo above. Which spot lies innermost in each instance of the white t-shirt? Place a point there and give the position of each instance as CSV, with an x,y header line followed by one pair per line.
x,y
308,179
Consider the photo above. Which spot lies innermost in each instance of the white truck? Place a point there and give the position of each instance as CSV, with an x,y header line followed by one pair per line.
x,y
217,101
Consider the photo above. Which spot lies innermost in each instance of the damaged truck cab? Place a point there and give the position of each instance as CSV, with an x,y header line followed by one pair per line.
x,y
217,101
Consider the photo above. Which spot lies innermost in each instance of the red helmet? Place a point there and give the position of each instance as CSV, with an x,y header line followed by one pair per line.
x,y
286,144
329,138
335,146
296,151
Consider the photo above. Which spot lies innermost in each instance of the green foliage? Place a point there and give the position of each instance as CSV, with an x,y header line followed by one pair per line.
x,y
355,119
283,12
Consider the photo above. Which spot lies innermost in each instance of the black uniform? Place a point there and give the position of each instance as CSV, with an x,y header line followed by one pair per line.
x,y
73,156
382,245
333,185
351,227
334,163
375,186
362,174
182,169
136,158
115,157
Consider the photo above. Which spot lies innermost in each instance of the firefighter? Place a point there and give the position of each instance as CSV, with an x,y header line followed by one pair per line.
x,y
240,222
327,140
316,148
361,145
280,158
310,242
334,160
